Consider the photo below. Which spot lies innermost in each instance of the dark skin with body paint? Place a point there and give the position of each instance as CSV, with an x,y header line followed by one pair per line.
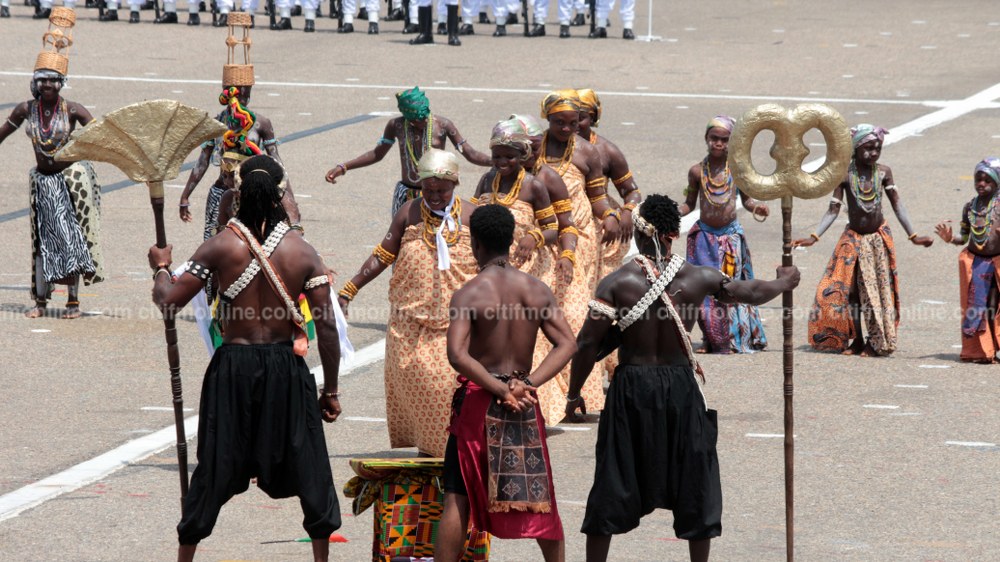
x,y
862,221
717,141
48,99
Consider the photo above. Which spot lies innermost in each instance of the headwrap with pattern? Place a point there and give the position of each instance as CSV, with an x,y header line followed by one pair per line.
x,y
511,133
413,104
532,126
866,132
439,164
721,121
991,167
560,100
591,104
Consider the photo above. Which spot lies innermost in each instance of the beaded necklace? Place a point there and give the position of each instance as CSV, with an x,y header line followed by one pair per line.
x,y
432,222
980,222
512,194
564,161
718,194
868,199
428,139
48,140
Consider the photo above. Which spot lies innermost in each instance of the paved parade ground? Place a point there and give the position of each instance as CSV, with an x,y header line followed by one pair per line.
x,y
896,458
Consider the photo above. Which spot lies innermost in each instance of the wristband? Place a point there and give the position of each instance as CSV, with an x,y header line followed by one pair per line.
x,y
814,237
342,167
912,236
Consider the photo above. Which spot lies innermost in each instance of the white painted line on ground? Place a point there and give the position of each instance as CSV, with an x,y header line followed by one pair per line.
x,y
363,419
881,406
970,443
97,468
957,346
40,331
928,301
935,366
911,386
905,414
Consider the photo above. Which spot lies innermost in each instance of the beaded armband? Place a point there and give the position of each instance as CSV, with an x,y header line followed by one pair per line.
x,y
569,230
570,255
475,200
270,142
598,182
605,310
349,291
539,239
385,257
609,212
317,281
623,179
11,123
597,198
562,206
198,270
890,187
630,206
545,213
835,201
384,141
550,226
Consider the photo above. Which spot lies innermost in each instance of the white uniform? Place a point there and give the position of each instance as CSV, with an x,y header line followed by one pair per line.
x,y
443,7
226,6
133,5
470,10
350,8
627,12
47,4
170,6
284,7
542,11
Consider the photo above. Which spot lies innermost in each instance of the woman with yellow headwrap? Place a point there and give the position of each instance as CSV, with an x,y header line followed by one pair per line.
x,y
579,165
428,241
415,137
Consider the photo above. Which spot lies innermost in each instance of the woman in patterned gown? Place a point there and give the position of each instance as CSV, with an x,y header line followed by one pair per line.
x,y
428,241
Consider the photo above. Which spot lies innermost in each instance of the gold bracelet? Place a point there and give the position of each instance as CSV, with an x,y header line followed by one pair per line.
x,y
550,226
630,206
385,257
539,238
349,291
545,213
598,182
912,236
570,255
611,212
624,178
562,206
814,237
597,198
569,230
475,200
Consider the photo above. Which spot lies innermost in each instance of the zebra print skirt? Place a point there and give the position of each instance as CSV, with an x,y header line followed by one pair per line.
x,y
65,225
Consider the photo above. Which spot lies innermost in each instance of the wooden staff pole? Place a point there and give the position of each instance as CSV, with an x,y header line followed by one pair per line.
x,y
788,360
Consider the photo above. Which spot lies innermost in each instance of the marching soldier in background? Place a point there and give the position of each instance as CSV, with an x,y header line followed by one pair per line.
x,y
627,12
170,12
371,8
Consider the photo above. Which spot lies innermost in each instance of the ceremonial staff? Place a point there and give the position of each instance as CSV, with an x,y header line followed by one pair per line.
x,y
148,142
789,181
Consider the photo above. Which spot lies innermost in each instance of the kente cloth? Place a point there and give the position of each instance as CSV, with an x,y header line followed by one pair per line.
x,y
726,328
871,259
977,276
656,448
65,214
408,500
401,194
413,104
573,300
477,451
259,419
418,378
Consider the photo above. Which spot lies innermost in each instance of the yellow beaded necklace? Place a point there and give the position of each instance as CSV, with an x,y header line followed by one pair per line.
x,y
428,140
513,194
564,161
432,222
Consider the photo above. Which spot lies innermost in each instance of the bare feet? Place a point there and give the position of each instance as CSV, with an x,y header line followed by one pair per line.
x,y
36,312
72,312
856,348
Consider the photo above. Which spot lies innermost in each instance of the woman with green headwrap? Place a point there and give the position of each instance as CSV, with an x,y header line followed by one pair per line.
x,y
417,130
860,280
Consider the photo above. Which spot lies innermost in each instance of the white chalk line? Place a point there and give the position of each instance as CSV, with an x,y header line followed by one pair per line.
x,y
97,468
15,502
970,443
473,89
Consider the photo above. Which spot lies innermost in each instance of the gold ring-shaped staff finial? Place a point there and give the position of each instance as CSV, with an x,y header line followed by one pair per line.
x,y
789,150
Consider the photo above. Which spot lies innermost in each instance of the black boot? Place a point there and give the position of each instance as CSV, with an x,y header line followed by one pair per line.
x,y
310,26
628,34
483,18
578,21
133,17
4,12
536,31
110,15
501,31
442,28
395,15
166,17
411,28
42,14
282,25
424,15
453,27
373,28
147,5
223,21
599,33
362,14
194,19
466,29
296,11
511,19
563,31
346,28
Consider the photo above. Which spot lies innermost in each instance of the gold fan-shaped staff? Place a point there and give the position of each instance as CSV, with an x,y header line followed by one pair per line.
x,y
149,141
787,182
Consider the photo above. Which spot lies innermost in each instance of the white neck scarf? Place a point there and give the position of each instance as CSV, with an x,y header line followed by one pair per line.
x,y
444,255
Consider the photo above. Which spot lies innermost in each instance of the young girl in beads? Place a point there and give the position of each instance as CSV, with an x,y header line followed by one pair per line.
x,y
978,266
860,281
